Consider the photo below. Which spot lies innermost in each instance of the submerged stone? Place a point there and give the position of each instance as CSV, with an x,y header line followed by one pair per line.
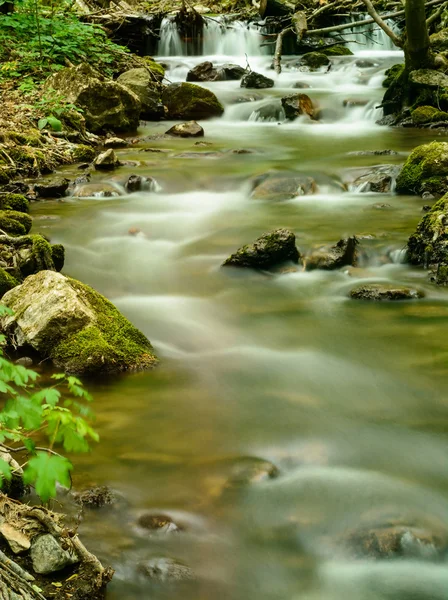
x,y
382,291
267,251
96,497
165,570
188,129
191,102
256,81
75,326
379,179
426,169
96,190
159,523
284,187
342,254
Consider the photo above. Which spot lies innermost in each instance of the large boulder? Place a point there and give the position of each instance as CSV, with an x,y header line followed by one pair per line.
x,y
328,258
267,251
423,115
142,83
256,81
190,102
107,105
426,169
428,246
74,326
296,105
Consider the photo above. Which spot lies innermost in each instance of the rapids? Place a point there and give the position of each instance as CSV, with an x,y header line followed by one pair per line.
x,y
347,399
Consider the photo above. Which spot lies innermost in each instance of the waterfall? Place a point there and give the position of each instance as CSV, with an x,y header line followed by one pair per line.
x,y
221,38
370,37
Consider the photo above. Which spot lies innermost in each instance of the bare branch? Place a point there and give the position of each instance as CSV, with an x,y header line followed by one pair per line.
x,y
384,26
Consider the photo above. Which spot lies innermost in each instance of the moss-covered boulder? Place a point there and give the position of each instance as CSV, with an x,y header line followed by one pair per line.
x,y
148,90
28,254
190,102
422,115
107,105
392,73
83,153
267,251
329,258
74,326
14,222
428,246
439,40
426,169
337,50
17,202
7,282
156,70
384,292
315,60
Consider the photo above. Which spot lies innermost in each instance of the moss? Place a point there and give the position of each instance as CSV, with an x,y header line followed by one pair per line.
x,y
337,51
439,41
17,202
392,74
156,69
109,345
39,258
315,60
427,162
7,282
83,153
190,101
429,244
15,223
32,138
58,256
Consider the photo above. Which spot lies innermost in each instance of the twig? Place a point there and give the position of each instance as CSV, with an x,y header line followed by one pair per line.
x,y
430,20
278,49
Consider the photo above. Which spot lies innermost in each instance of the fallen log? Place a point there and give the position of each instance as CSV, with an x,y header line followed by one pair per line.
x,y
275,8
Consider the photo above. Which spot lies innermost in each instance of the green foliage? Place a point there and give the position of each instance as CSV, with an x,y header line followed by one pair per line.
x,y
41,36
60,414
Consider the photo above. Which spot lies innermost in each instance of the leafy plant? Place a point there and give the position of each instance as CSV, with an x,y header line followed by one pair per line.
x,y
30,415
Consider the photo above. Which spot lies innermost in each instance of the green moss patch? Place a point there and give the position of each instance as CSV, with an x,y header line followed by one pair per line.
x,y
17,202
428,162
7,282
336,51
14,222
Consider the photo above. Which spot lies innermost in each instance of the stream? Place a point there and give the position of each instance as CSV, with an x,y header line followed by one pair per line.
x,y
347,399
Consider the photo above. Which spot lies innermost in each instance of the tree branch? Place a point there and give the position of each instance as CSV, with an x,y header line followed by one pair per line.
x,y
384,26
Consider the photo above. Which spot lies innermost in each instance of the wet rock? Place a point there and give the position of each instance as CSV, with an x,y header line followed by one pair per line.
x,y
342,254
74,326
315,60
256,81
54,188
426,169
296,105
423,115
190,102
165,570
96,497
159,523
301,85
267,251
13,201
428,246
14,222
380,291
270,110
141,82
17,541
428,78
134,231
204,72
363,63
48,556
249,470
106,161
284,187
137,183
96,190
25,361
355,102
189,129
380,206
248,98
115,142
233,72
337,50
106,103
373,153
380,179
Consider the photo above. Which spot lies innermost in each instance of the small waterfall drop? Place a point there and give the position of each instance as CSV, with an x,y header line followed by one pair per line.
x,y
170,41
235,38
368,38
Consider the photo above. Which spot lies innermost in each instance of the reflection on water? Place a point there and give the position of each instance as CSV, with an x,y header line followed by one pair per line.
x,y
347,400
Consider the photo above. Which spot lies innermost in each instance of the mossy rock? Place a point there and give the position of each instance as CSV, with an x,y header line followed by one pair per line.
x,y
315,60
17,202
439,40
29,254
428,114
58,256
392,73
428,246
83,153
156,69
269,250
190,102
336,51
14,222
384,292
7,282
427,164
75,326
32,138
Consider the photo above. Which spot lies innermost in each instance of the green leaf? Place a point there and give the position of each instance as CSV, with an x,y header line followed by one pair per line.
x,y
29,445
30,413
54,123
42,123
44,470
50,396
5,472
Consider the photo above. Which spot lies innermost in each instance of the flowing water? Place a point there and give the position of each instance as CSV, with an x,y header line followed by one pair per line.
x,y
347,399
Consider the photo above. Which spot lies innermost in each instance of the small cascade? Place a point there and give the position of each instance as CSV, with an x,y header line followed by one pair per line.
x,y
368,38
170,41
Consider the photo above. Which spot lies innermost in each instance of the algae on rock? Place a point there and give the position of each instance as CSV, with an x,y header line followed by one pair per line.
x,y
74,326
190,102
426,169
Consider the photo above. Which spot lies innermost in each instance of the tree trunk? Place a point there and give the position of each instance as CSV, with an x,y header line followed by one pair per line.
x,y
275,8
417,49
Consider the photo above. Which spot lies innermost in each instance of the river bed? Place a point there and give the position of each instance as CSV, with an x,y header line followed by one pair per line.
x,y
347,399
